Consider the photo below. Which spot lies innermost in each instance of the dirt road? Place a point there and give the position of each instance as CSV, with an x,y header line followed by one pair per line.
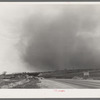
x,y
69,84
51,84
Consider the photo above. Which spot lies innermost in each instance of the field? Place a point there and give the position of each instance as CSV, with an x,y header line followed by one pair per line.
x,y
19,83
52,79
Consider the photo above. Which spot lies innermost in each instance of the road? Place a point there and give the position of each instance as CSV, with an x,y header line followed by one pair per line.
x,y
69,84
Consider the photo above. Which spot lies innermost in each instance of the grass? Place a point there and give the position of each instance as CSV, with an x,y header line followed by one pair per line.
x,y
3,82
33,83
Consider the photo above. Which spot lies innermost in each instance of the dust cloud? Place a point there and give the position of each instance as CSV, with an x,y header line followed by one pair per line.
x,y
61,37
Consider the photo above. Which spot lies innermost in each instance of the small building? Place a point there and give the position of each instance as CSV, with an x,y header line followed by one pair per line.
x,y
86,74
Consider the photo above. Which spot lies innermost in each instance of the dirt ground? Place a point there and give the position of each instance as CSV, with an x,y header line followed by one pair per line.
x,y
19,83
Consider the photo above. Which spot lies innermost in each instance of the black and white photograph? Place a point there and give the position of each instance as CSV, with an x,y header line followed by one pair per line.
x,y
49,46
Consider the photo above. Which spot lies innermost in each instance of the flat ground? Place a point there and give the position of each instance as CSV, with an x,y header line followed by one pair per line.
x,y
38,83
69,84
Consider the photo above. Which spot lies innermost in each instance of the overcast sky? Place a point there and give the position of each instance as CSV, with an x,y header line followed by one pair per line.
x,y
36,37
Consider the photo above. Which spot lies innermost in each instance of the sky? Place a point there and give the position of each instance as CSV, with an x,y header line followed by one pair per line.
x,y
42,37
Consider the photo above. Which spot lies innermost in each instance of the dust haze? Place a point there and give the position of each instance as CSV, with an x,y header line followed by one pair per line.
x,y
57,37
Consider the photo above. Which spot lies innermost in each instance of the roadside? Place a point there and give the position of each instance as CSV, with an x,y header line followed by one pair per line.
x,y
23,83
50,84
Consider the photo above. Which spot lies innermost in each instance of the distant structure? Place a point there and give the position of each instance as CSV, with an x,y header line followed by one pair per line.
x,y
86,74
